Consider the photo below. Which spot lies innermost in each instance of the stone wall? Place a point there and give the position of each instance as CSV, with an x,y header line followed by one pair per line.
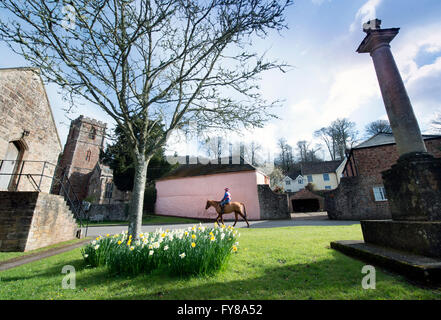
x,y
32,220
24,107
110,212
272,205
354,200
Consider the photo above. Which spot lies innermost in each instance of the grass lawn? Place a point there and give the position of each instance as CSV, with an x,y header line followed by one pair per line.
x,y
277,263
148,220
10,255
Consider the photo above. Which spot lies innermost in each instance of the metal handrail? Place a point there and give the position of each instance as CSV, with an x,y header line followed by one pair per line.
x,y
64,184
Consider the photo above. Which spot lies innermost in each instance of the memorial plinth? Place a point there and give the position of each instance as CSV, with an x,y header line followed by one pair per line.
x,y
413,184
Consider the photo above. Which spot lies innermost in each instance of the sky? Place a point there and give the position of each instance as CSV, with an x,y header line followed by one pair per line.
x,y
328,78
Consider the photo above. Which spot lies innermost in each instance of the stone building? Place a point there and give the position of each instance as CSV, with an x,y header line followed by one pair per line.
x,y
81,152
30,217
29,141
361,194
101,189
90,179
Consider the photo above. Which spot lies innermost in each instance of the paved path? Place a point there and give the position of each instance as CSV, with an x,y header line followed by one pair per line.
x,y
15,262
102,230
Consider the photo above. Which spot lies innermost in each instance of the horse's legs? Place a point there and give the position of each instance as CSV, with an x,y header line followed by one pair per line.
x,y
245,218
235,221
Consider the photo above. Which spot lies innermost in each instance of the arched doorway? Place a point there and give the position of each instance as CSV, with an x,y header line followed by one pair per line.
x,y
306,205
9,165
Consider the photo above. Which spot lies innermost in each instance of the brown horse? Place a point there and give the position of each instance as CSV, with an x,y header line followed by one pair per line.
x,y
231,207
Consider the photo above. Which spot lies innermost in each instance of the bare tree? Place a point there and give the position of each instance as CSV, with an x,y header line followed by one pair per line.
x,y
378,126
165,62
338,137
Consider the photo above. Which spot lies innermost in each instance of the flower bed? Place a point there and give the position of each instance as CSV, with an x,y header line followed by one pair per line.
x,y
192,251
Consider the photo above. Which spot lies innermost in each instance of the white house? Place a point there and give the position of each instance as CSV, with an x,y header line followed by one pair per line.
x,y
293,182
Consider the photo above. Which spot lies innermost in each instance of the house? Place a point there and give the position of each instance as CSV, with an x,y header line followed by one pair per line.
x,y
185,191
361,193
323,175
293,182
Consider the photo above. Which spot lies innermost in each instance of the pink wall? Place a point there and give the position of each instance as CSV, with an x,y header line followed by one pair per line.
x,y
187,197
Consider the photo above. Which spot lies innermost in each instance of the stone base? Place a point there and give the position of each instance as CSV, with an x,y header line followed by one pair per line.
x,y
413,187
420,268
418,237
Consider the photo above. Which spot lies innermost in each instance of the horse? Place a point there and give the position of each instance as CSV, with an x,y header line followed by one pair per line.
x,y
235,207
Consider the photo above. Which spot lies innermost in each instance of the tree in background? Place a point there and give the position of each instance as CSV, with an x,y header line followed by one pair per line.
x,y
285,159
308,153
338,137
378,126
151,62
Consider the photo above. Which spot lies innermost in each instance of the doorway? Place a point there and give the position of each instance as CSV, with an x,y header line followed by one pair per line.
x,y
9,166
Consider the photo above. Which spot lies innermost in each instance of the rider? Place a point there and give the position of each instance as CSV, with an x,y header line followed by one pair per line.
x,y
225,200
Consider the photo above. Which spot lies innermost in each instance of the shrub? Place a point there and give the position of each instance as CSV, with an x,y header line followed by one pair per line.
x,y
194,251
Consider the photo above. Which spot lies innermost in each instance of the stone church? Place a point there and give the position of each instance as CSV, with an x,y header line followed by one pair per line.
x,y
90,179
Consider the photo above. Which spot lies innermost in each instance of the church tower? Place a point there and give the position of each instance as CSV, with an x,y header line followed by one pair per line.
x,y
81,152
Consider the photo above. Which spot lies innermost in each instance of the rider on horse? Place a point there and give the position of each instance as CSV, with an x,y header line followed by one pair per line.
x,y
225,200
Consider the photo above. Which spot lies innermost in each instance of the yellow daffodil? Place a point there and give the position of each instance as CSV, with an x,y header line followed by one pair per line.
x,y
234,248
193,244
193,236
119,242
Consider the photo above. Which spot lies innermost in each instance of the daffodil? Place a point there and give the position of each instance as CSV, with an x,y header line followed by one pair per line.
x,y
234,248
165,248
150,252
182,255
212,238
132,248
119,242
193,244
193,236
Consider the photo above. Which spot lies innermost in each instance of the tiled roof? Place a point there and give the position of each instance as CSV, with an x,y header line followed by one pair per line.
x,y
320,167
386,138
192,170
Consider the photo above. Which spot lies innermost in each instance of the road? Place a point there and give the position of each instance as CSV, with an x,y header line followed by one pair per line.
x,y
102,230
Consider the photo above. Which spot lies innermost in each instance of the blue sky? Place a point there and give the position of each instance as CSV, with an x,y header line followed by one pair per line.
x,y
328,79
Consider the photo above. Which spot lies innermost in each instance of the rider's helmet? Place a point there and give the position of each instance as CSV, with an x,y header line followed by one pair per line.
x,y
226,189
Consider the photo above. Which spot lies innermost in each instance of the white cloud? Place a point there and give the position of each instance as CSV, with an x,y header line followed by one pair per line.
x,y
367,12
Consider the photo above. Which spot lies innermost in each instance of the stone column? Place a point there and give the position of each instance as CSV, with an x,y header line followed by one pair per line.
x,y
397,103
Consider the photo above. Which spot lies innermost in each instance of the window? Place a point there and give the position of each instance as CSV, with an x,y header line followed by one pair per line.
x,y
327,187
300,181
326,176
109,189
288,190
287,182
92,133
379,194
88,153
309,178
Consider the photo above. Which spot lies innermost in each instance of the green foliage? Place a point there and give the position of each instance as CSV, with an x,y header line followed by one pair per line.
x,y
195,251
149,198
120,158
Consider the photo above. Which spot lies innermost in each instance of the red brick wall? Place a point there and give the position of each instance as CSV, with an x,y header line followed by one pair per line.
x,y
372,161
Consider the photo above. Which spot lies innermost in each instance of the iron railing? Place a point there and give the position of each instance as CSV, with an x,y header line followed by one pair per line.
x,y
42,176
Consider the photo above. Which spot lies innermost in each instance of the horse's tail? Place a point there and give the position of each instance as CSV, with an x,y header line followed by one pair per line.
x,y
244,210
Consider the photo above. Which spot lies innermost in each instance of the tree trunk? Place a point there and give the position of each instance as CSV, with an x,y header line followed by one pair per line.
x,y
137,200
